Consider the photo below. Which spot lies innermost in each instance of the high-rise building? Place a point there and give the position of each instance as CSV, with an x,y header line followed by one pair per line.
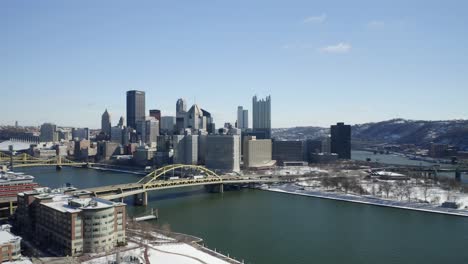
x,y
261,116
181,106
257,152
48,133
156,114
148,130
168,124
223,152
341,140
106,123
185,149
135,107
242,118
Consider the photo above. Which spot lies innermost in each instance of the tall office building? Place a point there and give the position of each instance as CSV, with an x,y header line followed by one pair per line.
x,y
167,124
156,113
135,107
223,152
181,113
261,116
106,123
242,118
181,106
341,140
148,130
48,133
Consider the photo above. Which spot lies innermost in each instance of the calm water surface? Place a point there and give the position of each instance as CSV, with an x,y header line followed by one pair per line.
x,y
267,227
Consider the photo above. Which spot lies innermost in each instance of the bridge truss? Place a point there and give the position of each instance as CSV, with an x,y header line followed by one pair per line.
x,y
151,179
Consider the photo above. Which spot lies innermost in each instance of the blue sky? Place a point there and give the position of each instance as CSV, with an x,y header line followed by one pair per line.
x,y
321,61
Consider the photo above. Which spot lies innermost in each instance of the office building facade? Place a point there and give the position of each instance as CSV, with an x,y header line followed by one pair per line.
x,y
261,116
106,123
242,118
71,223
135,107
48,133
257,153
223,152
341,140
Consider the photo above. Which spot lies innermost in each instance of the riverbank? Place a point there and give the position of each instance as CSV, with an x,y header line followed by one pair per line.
x,y
369,200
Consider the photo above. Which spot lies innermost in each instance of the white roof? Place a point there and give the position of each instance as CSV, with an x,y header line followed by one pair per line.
x,y
7,237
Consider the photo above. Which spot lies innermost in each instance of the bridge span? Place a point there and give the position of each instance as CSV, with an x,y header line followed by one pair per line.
x,y
154,182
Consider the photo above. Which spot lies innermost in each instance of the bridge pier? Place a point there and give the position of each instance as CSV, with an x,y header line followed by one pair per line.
x,y
216,188
141,201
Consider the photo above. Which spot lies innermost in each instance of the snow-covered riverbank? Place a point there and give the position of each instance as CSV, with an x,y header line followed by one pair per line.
x,y
295,189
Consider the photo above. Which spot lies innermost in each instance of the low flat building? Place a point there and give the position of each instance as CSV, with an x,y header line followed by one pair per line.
x,y
284,151
70,223
10,245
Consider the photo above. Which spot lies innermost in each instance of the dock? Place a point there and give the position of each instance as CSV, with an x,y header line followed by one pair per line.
x,y
153,215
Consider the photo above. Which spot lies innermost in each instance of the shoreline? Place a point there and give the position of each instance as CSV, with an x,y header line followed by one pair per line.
x,y
375,201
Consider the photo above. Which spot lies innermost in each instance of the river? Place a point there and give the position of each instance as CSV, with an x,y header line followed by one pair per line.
x,y
266,227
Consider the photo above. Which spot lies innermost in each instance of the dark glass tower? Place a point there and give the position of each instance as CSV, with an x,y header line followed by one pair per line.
x,y
341,140
135,107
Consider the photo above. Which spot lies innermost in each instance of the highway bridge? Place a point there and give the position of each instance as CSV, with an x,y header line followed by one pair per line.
x,y
155,181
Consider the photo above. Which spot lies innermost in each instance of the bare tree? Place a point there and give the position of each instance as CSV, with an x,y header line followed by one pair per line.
x,y
425,188
386,187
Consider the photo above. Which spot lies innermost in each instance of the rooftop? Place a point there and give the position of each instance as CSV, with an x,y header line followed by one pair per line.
x,y
71,204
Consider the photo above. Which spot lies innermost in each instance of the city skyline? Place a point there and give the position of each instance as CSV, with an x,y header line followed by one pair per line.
x,y
322,62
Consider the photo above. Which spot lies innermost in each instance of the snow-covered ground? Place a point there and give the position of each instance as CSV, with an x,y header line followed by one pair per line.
x,y
294,170
23,260
434,194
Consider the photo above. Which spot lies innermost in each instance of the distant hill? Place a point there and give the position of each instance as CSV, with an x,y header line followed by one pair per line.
x,y
397,131
299,133
419,132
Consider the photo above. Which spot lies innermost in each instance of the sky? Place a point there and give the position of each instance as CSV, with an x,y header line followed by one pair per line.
x,y
322,62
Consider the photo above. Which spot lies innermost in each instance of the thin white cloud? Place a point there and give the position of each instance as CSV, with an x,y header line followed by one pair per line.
x,y
315,19
376,24
339,48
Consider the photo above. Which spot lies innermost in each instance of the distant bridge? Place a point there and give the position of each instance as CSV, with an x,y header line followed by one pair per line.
x,y
153,182
26,160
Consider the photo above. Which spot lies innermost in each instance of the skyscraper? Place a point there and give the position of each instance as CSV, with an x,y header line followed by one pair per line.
x,y
181,106
148,130
261,116
341,140
106,123
242,118
135,107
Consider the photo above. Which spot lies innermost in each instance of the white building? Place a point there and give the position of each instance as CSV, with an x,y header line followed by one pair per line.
x,y
10,245
257,152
